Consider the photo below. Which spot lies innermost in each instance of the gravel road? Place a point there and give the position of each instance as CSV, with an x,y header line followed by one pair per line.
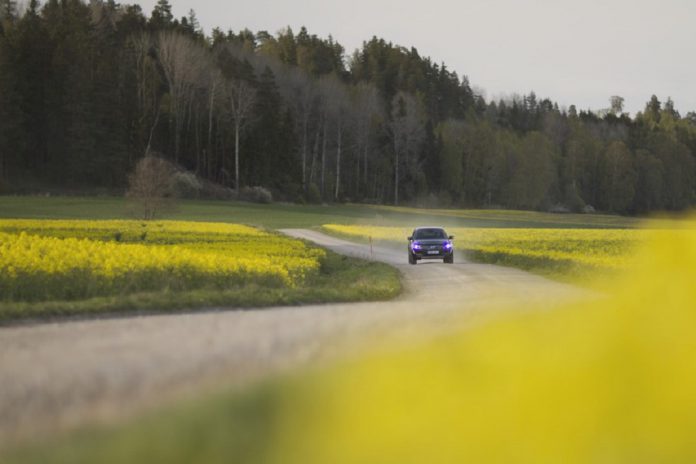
x,y
55,376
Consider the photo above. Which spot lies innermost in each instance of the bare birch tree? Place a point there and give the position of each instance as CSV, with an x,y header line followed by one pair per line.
x,y
147,83
407,131
182,61
324,116
240,97
368,109
215,94
335,105
301,93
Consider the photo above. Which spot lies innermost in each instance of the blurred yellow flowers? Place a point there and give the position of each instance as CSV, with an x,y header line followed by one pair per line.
x,y
612,380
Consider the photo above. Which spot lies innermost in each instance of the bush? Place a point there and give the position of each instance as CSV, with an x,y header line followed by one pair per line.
x,y
185,184
559,209
573,200
150,187
212,191
313,194
429,200
256,194
589,209
445,199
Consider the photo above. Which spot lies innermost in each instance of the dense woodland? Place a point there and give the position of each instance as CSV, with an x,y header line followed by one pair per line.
x,y
88,89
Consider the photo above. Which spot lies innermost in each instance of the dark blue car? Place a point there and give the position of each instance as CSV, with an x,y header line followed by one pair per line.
x,y
430,243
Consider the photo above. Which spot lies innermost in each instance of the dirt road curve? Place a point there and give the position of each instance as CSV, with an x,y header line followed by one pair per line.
x,y
58,375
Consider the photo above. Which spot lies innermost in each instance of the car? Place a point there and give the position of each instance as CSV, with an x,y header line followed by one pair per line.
x,y
430,243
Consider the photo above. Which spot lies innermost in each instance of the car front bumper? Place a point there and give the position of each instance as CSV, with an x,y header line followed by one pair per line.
x,y
432,254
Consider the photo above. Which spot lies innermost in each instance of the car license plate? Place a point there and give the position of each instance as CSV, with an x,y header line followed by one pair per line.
x,y
433,252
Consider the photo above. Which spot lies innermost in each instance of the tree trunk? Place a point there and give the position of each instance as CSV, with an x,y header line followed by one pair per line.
x,y
176,118
338,161
304,152
365,161
379,195
396,179
323,161
222,156
197,130
315,151
236,158
358,180
211,104
152,133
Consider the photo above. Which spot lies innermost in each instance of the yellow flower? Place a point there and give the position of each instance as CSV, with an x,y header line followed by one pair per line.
x,y
79,259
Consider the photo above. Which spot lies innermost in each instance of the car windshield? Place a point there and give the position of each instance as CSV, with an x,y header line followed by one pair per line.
x,y
427,234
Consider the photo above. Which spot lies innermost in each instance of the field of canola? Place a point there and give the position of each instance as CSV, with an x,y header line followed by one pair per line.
x,y
560,250
42,260
607,380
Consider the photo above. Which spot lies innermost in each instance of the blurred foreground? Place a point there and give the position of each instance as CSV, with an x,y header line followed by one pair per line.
x,y
610,380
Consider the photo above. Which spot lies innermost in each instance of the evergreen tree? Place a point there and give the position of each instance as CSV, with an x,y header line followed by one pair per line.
x,y
162,17
12,133
8,11
270,141
619,178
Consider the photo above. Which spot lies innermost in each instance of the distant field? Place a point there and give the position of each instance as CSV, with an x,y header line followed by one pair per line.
x,y
522,219
277,215
561,253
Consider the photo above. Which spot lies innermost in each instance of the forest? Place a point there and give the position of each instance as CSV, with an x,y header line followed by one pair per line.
x,y
87,89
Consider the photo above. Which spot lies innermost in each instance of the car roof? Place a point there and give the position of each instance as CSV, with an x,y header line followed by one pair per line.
x,y
429,227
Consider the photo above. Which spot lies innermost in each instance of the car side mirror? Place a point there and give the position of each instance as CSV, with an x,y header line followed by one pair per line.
x,y
451,237
410,238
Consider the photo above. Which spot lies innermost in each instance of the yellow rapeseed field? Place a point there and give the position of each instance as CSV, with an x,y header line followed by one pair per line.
x,y
44,260
561,250
610,380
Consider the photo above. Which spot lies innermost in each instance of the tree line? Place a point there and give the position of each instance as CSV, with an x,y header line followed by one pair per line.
x,y
88,89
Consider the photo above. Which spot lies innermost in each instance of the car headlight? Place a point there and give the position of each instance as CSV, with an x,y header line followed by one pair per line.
x,y
415,246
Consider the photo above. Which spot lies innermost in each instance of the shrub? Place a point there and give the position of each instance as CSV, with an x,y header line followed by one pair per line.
x,y
573,200
290,191
558,208
256,194
185,184
429,200
212,191
150,186
445,199
313,194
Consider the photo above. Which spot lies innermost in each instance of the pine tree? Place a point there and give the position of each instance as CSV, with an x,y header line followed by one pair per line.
x,y
161,17
32,68
12,134
8,11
